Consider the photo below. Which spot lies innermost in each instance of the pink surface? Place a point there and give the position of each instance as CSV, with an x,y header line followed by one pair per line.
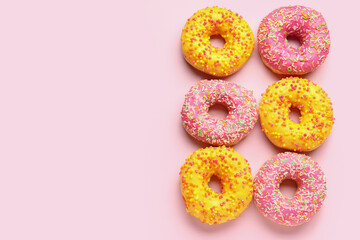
x,y
91,141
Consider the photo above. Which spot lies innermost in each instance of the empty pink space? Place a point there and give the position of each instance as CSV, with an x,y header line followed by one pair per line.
x,y
91,138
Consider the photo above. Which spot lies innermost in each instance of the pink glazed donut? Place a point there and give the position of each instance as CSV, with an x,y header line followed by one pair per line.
x,y
304,23
241,118
307,200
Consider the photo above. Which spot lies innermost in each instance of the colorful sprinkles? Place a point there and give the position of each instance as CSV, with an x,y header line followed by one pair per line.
x,y
310,194
316,118
236,181
304,23
198,51
241,118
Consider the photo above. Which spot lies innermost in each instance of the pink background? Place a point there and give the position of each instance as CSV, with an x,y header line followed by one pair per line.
x,y
91,140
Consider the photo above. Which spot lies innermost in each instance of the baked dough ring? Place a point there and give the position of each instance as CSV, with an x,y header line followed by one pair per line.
x,y
316,118
238,123
235,175
310,194
308,25
198,51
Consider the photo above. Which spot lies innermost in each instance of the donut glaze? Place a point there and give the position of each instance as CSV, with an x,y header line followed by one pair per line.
x,y
316,111
304,23
239,101
198,51
307,200
236,181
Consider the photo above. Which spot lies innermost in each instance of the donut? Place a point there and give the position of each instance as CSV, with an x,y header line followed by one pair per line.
x,y
236,182
198,51
310,194
304,23
316,111
241,118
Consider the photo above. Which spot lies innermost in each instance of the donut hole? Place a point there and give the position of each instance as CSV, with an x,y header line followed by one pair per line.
x,y
218,111
293,41
288,188
215,184
217,41
294,115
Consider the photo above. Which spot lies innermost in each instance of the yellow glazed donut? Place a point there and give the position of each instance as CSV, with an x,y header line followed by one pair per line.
x,y
236,182
316,111
220,62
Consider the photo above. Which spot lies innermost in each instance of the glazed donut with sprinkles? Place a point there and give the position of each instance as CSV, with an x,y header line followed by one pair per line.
x,y
236,182
304,23
240,120
198,51
316,111
310,194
